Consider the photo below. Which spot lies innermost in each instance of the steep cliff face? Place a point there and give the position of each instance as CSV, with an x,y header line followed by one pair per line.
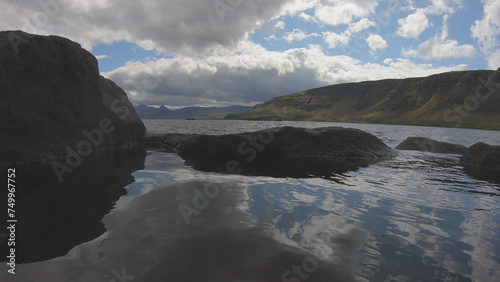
x,y
455,99
54,103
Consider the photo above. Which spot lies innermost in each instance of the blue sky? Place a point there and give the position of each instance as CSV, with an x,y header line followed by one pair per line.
x,y
229,52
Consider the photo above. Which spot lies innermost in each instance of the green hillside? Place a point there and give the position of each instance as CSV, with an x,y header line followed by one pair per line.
x,y
468,99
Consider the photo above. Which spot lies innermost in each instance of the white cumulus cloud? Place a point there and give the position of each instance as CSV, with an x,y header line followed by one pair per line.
x,y
376,42
494,60
280,25
413,25
436,48
344,12
440,47
334,39
416,23
487,32
295,7
360,25
100,57
250,75
298,35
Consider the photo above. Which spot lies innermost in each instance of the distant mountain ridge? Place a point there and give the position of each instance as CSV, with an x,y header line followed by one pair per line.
x,y
468,99
150,112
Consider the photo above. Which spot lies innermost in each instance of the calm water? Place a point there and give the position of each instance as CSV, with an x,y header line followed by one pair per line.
x,y
417,217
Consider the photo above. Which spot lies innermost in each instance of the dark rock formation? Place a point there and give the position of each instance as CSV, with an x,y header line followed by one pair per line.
x,y
482,161
281,152
60,215
54,103
429,145
153,142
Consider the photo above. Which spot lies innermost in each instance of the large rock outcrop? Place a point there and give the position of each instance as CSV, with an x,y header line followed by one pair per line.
x,y
482,161
54,103
281,152
429,145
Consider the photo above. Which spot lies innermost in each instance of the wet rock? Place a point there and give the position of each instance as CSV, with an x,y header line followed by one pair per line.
x,y
51,91
482,161
429,145
153,142
281,152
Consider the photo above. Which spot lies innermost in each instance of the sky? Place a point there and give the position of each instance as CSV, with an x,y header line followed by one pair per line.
x,y
244,52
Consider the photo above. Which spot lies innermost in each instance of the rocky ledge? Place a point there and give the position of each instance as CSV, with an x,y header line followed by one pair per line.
x,y
429,145
54,103
281,152
482,161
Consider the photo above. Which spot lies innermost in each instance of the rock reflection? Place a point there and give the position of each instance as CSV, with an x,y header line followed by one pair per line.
x,y
54,216
483,174
281,168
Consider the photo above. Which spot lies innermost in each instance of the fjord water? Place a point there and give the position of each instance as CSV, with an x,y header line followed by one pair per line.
x,y
417,217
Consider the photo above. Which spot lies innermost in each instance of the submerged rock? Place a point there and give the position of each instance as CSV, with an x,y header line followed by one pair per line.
x,y
482,161
54,103
281,152
429,145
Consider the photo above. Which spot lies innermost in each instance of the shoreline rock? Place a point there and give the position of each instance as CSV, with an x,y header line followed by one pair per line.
x,y
54,103
429,145
281,152
482,161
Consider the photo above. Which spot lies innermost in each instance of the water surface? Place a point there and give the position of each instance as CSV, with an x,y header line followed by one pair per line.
x,y
417,217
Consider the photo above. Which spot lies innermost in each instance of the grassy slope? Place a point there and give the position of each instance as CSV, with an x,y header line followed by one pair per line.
x,y
414,101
